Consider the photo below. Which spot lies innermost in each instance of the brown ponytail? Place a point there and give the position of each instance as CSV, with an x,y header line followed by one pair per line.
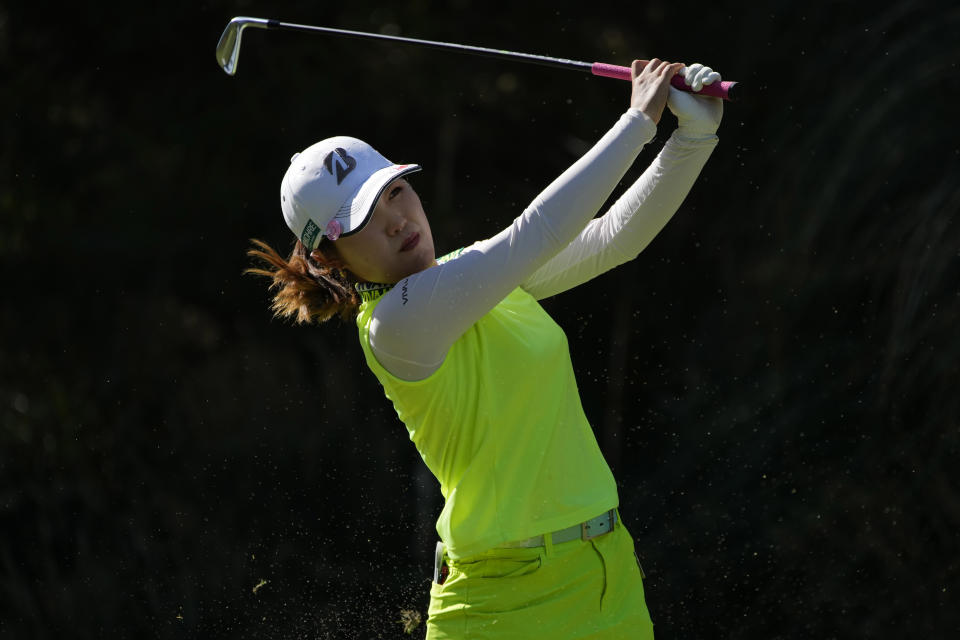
x,y
307,289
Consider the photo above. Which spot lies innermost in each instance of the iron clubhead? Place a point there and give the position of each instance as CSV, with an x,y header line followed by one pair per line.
x,y
228,48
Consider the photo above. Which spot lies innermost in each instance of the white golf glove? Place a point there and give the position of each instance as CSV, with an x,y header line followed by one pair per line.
x,y
697,116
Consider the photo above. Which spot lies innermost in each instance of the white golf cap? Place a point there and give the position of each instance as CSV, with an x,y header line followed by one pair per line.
x,y
332,187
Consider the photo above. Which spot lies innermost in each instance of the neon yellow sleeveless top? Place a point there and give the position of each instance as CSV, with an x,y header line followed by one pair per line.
x,y
501,427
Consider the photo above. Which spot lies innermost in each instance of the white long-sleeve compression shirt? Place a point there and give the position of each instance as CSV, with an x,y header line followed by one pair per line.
x,y
554,245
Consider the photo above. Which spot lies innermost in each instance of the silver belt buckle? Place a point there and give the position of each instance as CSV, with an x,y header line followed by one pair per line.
x,y
611,521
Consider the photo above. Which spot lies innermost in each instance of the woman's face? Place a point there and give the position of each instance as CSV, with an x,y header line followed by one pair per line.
x,y
395,243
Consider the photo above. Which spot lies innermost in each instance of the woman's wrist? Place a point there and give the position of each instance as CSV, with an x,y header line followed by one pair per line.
x,y
640,119
694,136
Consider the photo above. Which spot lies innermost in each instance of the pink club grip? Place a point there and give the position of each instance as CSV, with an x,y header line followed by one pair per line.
x,y
716,90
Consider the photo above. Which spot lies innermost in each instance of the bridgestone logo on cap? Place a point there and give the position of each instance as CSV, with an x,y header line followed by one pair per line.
x,y
341,164
310,233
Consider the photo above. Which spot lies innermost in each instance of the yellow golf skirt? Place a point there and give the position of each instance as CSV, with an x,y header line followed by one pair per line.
x,y
577,589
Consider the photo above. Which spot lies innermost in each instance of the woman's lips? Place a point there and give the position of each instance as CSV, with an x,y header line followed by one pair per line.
x,y
412,240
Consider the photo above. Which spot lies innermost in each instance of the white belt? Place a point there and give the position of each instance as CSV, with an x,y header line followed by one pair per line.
x,y
592,528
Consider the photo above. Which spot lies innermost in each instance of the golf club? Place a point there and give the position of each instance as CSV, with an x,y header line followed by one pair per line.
x,y
228,53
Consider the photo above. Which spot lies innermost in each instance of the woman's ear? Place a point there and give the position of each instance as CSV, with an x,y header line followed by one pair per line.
x,y
327,257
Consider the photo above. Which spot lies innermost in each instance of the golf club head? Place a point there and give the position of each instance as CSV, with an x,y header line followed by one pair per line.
x,y
228,49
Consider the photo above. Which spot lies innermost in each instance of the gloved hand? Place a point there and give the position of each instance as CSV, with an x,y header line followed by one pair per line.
x,y
697,116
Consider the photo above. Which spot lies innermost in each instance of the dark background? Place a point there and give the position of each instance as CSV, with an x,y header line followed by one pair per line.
x,y
774,380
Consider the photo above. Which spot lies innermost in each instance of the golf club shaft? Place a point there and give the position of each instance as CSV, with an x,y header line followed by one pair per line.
x,y
717,90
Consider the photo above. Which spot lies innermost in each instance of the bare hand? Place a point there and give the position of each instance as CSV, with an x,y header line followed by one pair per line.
x,y
651,85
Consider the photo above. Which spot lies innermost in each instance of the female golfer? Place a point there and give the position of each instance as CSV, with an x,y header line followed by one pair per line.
x,y
532,542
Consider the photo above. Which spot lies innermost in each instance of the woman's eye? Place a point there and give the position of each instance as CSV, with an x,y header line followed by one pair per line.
x,y
395,191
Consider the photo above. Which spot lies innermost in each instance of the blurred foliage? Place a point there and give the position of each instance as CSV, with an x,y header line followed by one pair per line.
x,y
774,380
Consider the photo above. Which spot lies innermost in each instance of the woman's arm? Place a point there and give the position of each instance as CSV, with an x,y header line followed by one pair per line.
x,y
646,207
415,324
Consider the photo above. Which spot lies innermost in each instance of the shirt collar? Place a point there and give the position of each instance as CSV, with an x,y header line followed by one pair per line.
x,y
370,291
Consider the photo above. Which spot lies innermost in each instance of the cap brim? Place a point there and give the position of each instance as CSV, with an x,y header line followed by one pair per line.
x,y
357,212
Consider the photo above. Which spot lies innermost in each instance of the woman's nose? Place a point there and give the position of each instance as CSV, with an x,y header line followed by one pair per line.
x,y
396,224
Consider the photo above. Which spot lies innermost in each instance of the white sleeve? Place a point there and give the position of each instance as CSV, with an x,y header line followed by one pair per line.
x,y
416,322
631,223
